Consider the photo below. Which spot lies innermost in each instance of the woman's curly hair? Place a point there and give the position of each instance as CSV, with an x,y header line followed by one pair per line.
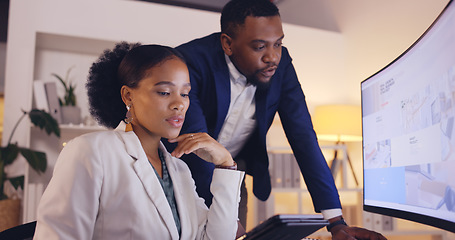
x,y
127,64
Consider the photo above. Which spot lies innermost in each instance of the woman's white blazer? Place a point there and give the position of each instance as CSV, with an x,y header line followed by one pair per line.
x,y
103,187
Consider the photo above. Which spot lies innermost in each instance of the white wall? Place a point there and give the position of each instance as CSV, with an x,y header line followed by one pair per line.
x,y
319,58
378,31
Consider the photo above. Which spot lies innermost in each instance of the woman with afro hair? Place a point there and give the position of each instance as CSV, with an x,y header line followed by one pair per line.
x,y
123,183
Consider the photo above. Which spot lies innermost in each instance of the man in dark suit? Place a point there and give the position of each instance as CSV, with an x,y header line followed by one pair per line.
x,y
240,78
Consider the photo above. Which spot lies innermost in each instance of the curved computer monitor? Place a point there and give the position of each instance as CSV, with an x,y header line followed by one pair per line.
x,y
408,113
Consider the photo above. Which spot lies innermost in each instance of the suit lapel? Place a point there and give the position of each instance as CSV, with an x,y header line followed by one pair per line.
x,y
222,88
154,190
148,177
181,199
261,107
223,94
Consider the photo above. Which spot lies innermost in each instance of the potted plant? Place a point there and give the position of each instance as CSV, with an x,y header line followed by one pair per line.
x,y
10,205
71,113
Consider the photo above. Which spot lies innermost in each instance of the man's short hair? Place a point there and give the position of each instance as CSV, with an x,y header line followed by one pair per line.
x,y
235,12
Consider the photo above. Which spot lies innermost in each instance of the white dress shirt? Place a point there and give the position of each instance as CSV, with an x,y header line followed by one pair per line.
x,y
240,120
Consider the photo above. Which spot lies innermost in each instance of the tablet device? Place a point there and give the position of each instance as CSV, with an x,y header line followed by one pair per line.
x,y
286,227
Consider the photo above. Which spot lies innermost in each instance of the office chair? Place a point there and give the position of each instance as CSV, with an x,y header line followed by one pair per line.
x,y
21,232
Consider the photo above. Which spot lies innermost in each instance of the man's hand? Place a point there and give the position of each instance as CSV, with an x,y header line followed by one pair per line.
x,y
341,232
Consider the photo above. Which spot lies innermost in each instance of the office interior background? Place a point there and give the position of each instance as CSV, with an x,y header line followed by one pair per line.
x,y
335,45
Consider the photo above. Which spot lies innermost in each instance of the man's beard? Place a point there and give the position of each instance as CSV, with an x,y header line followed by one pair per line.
x,y
259,84
253,80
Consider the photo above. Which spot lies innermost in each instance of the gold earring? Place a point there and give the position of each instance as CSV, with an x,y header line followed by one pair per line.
x,y
128,119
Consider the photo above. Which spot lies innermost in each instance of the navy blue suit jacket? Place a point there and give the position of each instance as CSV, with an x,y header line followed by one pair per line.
x,y
209,104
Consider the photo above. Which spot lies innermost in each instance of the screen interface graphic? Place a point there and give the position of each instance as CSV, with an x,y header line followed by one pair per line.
x,y
408,114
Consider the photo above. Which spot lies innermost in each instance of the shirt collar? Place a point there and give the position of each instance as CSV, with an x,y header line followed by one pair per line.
x,y
234,74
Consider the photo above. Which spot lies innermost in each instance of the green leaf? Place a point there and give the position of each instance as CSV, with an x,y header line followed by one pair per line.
x,y
45,121
37,160
70,96
61,80
17,181
9,153
69,99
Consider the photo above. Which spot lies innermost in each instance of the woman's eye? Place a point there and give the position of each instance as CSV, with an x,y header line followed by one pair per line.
x,y
163,93
185,95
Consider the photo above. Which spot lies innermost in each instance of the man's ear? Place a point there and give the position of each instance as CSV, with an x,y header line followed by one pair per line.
x,y
125,91
226,42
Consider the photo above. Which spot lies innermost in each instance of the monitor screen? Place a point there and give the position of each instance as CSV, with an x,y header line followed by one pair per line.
x,y
408,113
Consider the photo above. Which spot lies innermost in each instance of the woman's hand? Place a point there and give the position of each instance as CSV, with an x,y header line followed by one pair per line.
x,y
204,146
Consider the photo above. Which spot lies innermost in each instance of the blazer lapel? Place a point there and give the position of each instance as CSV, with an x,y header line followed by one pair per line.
x,y
223,90
181,198
154,190
261,107
149,180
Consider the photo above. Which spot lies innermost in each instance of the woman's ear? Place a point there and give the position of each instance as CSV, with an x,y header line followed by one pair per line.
x,y
126,93
226,42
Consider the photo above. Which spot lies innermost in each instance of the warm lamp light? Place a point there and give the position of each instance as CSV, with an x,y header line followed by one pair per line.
x,y
338,123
